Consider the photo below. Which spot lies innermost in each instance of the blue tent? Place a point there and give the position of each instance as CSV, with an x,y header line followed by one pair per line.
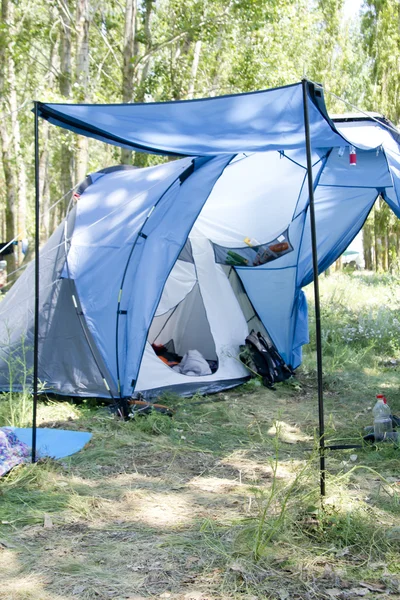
x,y
194,252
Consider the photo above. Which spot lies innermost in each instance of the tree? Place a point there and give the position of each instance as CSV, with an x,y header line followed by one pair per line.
x,y
128,53
82,80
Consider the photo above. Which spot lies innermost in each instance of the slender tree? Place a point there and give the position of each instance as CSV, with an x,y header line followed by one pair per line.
x,y
65,86
82,80
10,178
129,52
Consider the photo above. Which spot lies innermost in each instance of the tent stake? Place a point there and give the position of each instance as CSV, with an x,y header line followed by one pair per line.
x,y
36,329
316,290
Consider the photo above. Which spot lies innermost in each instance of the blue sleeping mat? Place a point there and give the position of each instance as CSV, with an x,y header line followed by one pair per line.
x,y
56,443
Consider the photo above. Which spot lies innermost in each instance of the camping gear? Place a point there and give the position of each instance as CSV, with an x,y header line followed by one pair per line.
x,y
286,171
261,357
193,363
54,443
137,407
382,418
15,444
13,452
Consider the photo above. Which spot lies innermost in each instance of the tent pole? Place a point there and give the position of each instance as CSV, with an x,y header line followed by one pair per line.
x,y
36,329
316,290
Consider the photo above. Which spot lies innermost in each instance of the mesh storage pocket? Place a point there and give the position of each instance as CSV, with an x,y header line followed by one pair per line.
x,y
253,254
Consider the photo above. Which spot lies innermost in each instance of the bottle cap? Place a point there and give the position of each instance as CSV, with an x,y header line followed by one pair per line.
x,y
380,396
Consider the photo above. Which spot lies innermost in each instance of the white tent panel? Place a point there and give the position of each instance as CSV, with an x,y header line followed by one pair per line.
x,y
187,326
225,318
255,198
364,133
179,284
227,323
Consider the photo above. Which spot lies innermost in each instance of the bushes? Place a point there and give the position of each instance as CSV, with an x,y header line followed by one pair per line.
x,y
359,312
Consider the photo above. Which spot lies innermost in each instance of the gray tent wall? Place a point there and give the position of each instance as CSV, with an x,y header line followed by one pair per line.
x,y
63,345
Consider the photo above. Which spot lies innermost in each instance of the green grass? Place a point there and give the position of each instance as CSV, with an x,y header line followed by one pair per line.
x,y
222,499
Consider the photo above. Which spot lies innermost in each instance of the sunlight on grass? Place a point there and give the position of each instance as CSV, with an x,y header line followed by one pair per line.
x,y
161,510
287,433
223,499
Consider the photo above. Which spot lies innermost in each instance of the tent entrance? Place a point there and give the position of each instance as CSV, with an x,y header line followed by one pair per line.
x,y
181,326
252,319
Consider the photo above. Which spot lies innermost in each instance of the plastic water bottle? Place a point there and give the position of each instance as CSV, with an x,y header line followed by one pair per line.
x,y
382,419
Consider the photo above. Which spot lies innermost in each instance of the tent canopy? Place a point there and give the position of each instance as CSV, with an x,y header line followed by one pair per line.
x,y
253,122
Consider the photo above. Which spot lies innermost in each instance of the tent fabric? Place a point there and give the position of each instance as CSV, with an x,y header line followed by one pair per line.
x,y
15,445
61,332
221,314
138,259
253,122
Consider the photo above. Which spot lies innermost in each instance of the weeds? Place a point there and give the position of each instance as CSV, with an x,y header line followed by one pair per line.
x,y
222,499
154,423
16,404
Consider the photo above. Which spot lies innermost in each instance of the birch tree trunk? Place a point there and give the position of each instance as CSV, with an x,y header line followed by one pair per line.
x,y
140,159
195,66
11,190
44,180
6,154
16,140
47,218
128,53
82,81
67,157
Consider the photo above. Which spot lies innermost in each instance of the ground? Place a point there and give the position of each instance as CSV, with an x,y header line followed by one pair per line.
x,y
221,501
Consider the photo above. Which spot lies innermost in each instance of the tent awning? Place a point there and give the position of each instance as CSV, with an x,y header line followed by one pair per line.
x,y
252,122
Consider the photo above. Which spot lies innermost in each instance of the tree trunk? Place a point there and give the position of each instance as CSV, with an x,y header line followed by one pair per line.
x,y
67,158
367,246
398,245
128,53
216,71
16,138
376,237
6,154
11,188
82,81
140,158
195,66
44,181
47,223
386,252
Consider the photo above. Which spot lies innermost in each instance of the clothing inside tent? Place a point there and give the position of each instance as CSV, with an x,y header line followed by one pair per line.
x,y
193,253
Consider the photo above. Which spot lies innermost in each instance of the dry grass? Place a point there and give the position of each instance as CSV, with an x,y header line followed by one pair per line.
x,y
221,502
138,514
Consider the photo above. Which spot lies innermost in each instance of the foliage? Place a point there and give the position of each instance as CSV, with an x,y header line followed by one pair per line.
x,y
182,49
360,314
153,423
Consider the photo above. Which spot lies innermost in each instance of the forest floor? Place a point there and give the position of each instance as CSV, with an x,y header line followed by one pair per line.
x,y
222,500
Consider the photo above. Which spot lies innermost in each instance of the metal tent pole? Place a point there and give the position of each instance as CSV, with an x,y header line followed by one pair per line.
x,y
36,328
316,290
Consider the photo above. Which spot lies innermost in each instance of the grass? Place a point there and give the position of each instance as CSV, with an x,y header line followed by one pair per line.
x,y
221,501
